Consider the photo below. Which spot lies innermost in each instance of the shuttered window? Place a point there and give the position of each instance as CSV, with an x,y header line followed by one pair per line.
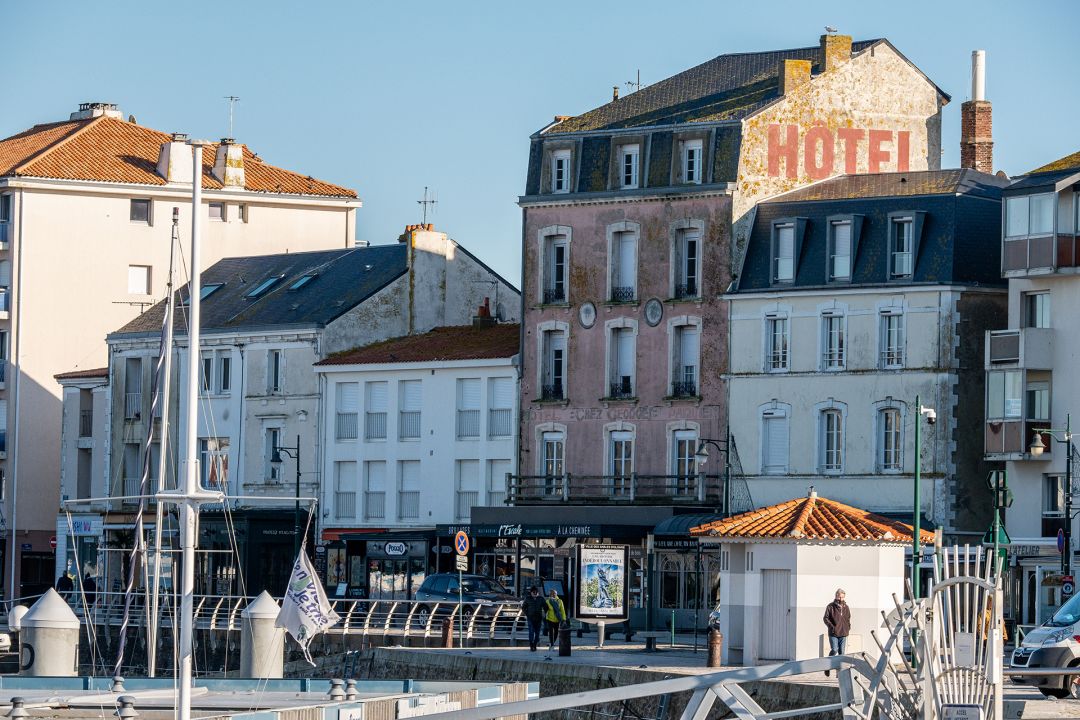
x,y
376,396
375,411
409,399
468,408
348,408
775,445
500,407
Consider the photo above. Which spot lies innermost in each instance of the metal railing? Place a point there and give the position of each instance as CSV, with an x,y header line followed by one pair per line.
x,y
683,388
623,293
344,505
374,505
621,388
408,424
375,426
466,501
132,487
86,423
132,405
554,295
495,498
500,422
687,289
468,423
408,504
346,426
623,489
554,391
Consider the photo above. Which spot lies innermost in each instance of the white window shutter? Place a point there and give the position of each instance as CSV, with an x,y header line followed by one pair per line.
x,y
410,396
469,394
376,397
688,346
376,476
502,393
346,476
626,353
410,475
776,442
348,399
785,242
627,243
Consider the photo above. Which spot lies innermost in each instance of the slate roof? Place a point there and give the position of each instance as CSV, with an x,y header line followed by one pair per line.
x,y
1051,180
342,280
83,374
961,181
811,518
107,149
728,87
461,342
1069,162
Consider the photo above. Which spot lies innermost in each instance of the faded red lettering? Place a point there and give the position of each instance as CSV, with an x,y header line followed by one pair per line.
x,y
903,150
822,170
877,155
789,150
851,137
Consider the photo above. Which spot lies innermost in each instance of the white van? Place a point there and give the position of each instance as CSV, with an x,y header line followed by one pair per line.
x,y
1054,644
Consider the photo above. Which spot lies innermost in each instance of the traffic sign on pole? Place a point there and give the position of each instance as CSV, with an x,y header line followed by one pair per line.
x,y
462,563
461,543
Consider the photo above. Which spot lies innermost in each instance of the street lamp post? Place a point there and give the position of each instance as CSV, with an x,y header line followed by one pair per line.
x,y
275,460
701,456
916,524
1037,448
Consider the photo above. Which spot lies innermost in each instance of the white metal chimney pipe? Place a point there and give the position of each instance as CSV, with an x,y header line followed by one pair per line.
x,y
978,74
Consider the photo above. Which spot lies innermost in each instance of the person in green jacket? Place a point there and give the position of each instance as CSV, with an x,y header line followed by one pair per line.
x,y
556,616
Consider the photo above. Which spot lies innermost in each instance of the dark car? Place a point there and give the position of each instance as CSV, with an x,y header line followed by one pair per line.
x,y
443,588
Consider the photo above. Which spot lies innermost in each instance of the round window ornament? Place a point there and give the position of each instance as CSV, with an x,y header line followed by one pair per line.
x,y
654,312
587,315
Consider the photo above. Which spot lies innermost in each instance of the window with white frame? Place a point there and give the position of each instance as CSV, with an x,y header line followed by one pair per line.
x,y
1036,309
409,400
623,264
832,441
206,374
1004,400
467,474
224,373
5,208
840,250
560,171
468,408
777,342
900,248
621,353
628,166
1030,215
556,262
890,439
217,211
501,392
347,417
553,371
684,444
620,460
346,485
1038,401
1053,505
783,253
774,441
271,440
832,340
375,490
275,371
692,161
139,280
684,374
132,388
375,401
216,373
892,338
214,463
408,504
687,262
552,456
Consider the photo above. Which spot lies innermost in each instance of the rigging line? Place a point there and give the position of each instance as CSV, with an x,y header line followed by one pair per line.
x,y
91,628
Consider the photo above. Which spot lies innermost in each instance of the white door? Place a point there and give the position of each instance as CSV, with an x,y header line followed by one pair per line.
x,y
775,615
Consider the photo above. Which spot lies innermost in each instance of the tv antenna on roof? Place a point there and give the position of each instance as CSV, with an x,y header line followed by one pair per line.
x,y
425,203
232,103
635,85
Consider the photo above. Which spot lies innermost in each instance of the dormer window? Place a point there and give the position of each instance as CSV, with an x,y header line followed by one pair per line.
x,y
900,265
783,253
840,250
263,287
692,161
560,171
628,166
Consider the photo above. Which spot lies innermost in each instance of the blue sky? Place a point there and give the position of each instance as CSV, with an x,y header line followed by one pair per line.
x,y
390,97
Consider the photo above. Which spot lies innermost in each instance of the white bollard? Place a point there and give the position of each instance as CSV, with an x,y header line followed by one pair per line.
x,y
49,639
262,646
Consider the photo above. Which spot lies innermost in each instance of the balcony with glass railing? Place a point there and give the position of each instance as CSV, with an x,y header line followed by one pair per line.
x,y
1029,348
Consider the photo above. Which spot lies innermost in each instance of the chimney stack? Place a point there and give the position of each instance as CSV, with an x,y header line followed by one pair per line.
x,y
793,73
835,51
229,163
976,126
174,159
483,317
88,110
614,93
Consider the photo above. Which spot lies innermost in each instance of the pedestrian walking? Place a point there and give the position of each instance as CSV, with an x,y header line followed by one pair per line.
x,y
535,609
89,589
65,586
838,621
556,616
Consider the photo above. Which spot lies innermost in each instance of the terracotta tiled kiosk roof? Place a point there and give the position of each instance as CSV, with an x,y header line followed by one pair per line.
x,y
83,374
108,149
459,342
811,518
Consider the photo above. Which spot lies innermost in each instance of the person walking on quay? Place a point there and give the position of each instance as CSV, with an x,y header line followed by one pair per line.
x,y
556,616
535,609
838,621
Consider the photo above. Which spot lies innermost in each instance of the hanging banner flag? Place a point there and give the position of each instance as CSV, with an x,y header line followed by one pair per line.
x,y
305,611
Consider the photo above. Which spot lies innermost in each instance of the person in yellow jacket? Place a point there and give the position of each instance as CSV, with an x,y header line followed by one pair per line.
x,y
556,616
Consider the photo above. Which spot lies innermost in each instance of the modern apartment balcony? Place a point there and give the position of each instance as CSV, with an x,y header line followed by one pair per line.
x,y
1040,255
1023,348
1010,439
712,490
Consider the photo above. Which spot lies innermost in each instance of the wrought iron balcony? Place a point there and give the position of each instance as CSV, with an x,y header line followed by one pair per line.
x,y
683,387
86,423
623,294
554,295
687,289
553,391
621,389
712,490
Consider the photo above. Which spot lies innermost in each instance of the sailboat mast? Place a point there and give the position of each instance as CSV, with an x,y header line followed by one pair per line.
x,y
190,497
163,453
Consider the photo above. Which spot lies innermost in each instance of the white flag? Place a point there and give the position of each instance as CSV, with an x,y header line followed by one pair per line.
x,y
305,611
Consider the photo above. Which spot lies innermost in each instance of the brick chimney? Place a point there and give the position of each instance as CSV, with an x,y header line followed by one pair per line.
x,y
174,160
793,73
835,51
483,316
229,163
976,127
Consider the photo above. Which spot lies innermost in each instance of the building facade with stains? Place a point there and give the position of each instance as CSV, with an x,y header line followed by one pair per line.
x,y
634,214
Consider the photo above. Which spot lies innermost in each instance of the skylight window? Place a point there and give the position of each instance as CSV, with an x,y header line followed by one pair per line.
x,y
264,286
302,281
206,291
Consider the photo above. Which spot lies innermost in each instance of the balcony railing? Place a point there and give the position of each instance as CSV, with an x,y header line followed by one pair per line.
x,y
623,293
629,489
500,422
621,389
132,405
466,501
1029,348
468,423
408,504
496,498
1012,437
132,488
1043,252
408,424
553,391
682,386
554,295
346,426
374,505
86,423
375,426
687,289
344,505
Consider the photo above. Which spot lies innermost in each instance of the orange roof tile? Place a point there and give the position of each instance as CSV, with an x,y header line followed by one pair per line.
x,y
107,149
811,518
446,343
81,374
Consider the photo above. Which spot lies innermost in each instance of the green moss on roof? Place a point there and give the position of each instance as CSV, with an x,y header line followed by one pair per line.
x,y
1069,162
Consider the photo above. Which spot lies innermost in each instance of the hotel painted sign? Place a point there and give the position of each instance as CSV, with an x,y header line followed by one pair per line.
x,y
823,151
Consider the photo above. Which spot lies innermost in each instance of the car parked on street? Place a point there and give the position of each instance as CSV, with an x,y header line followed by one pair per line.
x,y
442,588
1053,644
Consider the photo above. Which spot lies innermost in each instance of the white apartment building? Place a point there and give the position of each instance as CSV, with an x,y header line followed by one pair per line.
x,y
858,295
419,430
86,211
1031,378
265,321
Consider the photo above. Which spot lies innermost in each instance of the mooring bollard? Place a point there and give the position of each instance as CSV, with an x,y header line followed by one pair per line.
x,y
447,633
716,648
564,641
262,645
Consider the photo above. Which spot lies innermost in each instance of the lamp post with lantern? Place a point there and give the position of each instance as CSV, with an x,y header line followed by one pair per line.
x,y
275,460
1038,446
